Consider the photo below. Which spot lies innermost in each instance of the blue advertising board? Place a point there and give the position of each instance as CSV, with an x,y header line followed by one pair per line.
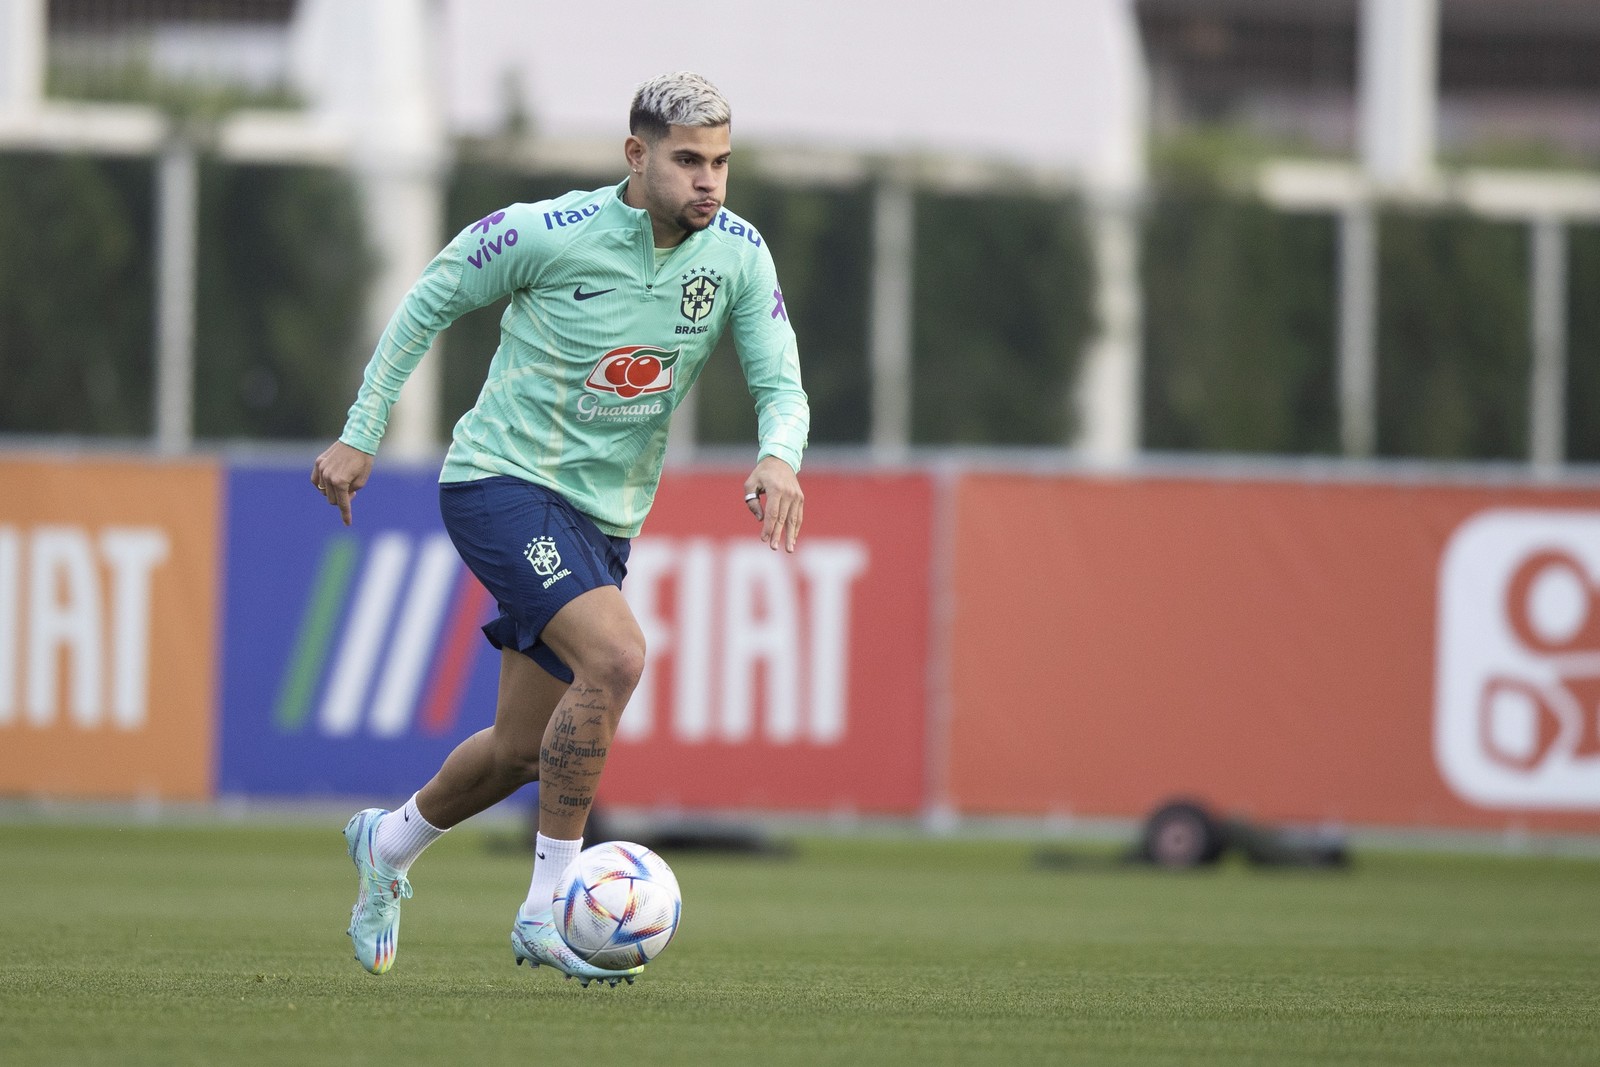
x,y
352,661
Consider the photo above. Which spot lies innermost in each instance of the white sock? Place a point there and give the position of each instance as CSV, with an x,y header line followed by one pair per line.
x,y
550,858
402,835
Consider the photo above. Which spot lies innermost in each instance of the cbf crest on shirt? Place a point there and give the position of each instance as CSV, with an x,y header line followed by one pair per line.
x,y
699,296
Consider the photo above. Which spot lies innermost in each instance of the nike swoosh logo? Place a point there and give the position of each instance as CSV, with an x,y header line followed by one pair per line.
x,y
539,854
579,294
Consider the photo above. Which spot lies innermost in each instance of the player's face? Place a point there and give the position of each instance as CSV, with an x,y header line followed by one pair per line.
x,y
682,179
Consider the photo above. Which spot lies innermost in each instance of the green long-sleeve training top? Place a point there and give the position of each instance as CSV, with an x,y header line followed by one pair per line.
x,y
602,338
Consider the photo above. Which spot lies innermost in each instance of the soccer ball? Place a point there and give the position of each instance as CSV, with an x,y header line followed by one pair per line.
x,y
617,905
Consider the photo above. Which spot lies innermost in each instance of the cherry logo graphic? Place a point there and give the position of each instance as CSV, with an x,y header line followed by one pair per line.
x,y
633,370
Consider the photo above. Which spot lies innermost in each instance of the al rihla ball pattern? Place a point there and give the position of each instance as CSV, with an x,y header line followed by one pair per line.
x,y
618,905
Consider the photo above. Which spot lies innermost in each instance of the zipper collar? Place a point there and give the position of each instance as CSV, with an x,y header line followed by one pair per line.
x,y
642,219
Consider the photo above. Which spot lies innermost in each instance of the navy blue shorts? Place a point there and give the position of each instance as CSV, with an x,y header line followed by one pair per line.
x,y
533,552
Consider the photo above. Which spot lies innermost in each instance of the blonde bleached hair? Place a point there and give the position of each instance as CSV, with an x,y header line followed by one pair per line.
x,y
682,98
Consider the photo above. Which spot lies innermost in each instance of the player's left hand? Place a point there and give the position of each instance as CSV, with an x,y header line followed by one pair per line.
x,y
772,493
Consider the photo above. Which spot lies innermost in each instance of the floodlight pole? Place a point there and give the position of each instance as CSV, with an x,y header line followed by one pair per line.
x,y
1110,382
1398,85
22,34
1358,322
1547,392
893,237
1107,397
177,208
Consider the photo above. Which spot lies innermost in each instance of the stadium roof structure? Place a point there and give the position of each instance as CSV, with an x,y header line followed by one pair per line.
x,y
1508,69
112,14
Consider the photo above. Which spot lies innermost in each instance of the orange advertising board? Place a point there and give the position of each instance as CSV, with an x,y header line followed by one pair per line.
x,y
108,583
1369,654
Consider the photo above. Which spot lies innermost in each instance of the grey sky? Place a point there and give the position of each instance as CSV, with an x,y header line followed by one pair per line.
x,y
1031,81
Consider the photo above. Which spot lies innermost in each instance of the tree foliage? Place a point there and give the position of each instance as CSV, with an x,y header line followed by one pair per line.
x,y
1583,344
1241,329
1003,291
1239,302
281,277
1452,343
1239,326
280,324
75,295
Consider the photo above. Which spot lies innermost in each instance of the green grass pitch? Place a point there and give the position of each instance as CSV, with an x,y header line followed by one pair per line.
x,y
213,945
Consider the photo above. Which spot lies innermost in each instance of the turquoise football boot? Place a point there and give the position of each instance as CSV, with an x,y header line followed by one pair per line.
x,y
375,919
537,941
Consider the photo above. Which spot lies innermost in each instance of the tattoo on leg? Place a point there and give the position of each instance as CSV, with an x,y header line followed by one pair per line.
x,y
574,753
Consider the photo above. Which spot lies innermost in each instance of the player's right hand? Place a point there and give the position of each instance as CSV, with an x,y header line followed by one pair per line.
x,y
338,473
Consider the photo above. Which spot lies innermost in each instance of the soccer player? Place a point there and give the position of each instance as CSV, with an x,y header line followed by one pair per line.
x,y
618,296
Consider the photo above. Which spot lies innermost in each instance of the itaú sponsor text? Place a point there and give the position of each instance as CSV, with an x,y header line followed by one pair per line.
x,y
743,643
75,614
